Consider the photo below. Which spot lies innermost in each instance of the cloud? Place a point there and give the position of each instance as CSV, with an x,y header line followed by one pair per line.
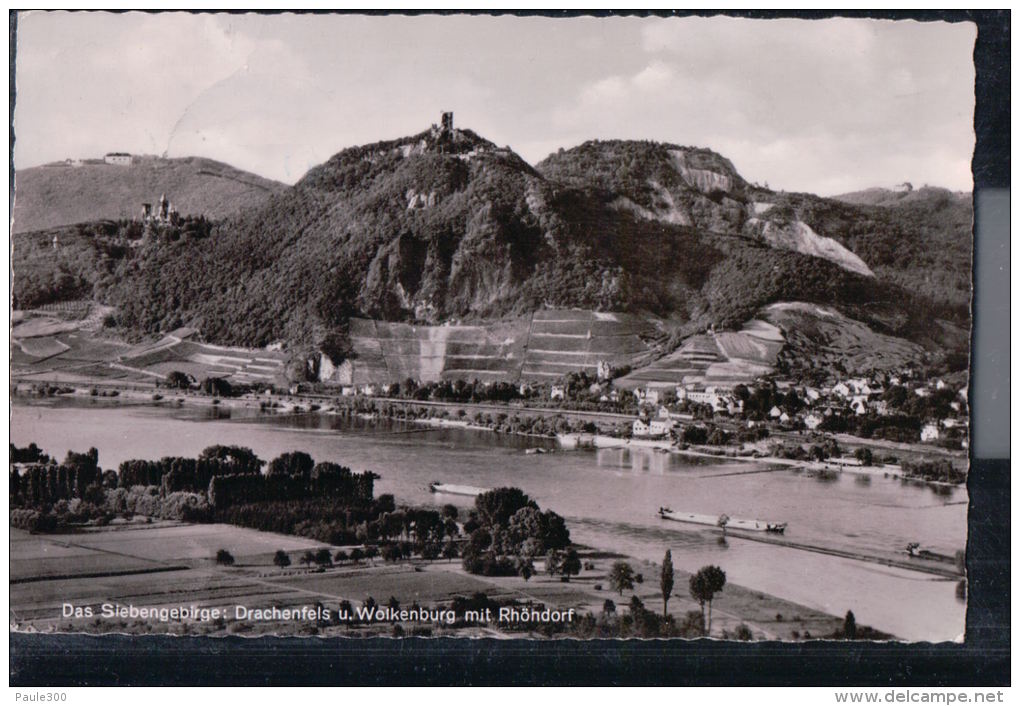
x,y
875,98
791,102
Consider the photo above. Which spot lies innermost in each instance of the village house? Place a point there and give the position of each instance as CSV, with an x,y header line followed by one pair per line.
x,y
661,427
369,389
859,404
348,391
813,420
775,412
930,432
653,428
646,396
557,392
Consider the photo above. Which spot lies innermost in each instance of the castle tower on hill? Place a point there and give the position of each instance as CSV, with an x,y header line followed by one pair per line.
x,y
164,213
443,132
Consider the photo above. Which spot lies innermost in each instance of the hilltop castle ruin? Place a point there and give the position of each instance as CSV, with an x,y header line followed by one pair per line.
x,y
165,213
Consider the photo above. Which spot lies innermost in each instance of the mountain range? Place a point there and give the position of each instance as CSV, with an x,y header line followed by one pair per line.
x,y
445,227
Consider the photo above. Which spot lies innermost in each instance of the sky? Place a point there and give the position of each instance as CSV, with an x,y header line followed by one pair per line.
x,y
825,106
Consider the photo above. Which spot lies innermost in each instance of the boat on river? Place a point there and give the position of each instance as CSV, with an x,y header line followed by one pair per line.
x,y
453,489
722,521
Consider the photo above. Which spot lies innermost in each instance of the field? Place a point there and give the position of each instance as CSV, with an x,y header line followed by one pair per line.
x,y
167,565
67,345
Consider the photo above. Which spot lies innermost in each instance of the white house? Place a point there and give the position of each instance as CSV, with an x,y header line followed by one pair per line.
x,y
369,389
940,385
660,427
121,159
930,432
775,412
557,392
812,394
859,404
646,396
639,428
784,417
812,421
921,391
841,389
348,391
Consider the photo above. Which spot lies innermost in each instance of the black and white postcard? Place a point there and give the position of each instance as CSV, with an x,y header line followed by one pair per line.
x,y
356,326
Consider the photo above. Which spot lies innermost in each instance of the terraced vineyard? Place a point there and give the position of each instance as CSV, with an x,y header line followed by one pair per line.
x,y
724,359
546,346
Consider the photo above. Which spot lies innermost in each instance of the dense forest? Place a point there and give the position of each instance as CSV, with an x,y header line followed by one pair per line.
x,y
428,230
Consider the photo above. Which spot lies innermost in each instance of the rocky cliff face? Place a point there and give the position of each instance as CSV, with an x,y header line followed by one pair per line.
x,y
693,187
447,228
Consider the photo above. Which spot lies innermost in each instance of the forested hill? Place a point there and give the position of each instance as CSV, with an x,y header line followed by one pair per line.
x,y
919,240
445,226
64,193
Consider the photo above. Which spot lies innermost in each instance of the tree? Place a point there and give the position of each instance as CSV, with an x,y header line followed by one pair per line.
x,y
217,386
308,558
609,607
294,464
621,577
357,555
703,586
323,558
281,559
525,567
450,549
496,507
391,552
850,626
178,380
340,557
553,562
864,455
571,565
224,558
666,581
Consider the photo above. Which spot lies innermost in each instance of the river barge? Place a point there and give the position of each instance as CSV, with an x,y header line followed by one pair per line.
x,y
453,489
722,521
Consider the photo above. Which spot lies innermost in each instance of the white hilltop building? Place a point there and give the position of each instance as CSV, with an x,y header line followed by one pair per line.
x,y
120,159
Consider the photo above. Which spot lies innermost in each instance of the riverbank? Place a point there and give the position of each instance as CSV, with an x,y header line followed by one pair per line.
x,y
187,575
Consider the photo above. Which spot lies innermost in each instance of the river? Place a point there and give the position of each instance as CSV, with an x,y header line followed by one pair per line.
x,y
609,498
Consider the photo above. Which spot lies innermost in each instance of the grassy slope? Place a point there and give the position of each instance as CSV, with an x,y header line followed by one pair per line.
x,y
50,196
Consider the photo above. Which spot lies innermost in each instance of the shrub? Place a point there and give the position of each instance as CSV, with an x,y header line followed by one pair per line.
x,y
224,558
